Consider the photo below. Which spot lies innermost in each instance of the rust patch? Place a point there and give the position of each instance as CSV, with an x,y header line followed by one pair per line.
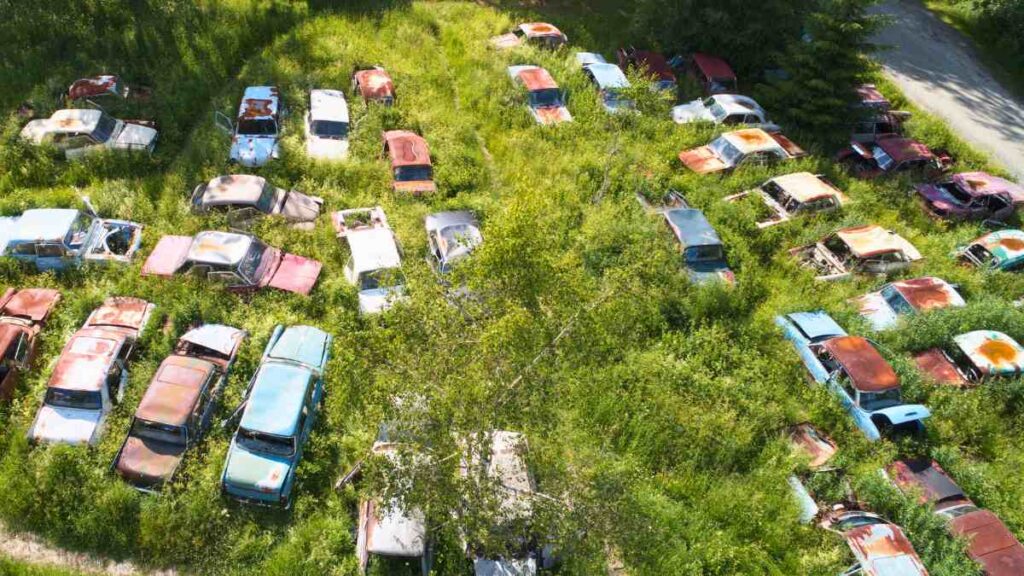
x,y
867,370
256,107
924,293
997,352
1015,244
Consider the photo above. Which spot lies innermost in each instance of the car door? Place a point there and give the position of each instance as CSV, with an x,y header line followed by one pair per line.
x,y
12,361
52,256
203,412
814,357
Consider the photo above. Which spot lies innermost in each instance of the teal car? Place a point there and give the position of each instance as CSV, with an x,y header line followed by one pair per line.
x,y
999,250
278,412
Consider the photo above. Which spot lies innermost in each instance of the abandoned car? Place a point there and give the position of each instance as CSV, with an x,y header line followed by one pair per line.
x,y
22,316
793,194
973,358
374,85
411,168
714,74
702,249
177,409
879,547
650,64
241,262
724,109
989,542
244,198
277,416
540,34
609,80
55,239
892,155
451,236
327,125
98,87
972,196
747,147
544,100
1000,250
79,132
91,374
883,308
374,265
256,131
853,370
866,249
817,449
875,117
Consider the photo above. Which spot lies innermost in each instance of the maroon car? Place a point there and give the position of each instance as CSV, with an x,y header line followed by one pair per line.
x,y
713,74
972,196
178,406
652,63
989,542
241,262
22,315
875,116
892,155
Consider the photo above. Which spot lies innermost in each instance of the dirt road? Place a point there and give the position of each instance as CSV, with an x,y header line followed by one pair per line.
x,y
31,550
936,67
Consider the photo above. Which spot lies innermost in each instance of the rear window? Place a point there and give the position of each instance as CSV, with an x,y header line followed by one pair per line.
x,y
414,173
81,399
330,129
257,127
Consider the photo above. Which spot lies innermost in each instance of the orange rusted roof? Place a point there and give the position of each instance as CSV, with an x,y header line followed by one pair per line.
x,y
537,78
871,240
867,370
807,187
174,391
407,148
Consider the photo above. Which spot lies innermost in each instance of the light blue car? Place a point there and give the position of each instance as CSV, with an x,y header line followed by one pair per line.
x,y
55,239
854,371
278,413
609,80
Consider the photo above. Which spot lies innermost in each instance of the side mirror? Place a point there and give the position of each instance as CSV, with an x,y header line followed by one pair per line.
x,y
90,207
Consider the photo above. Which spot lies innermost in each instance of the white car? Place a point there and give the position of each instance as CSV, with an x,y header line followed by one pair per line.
x,y
79,132
727,109
374,266
256,131
327,125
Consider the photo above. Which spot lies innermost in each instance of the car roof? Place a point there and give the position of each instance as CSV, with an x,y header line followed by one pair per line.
x,y
991,352
812,443
83,363
927,476
692,228
326,104
217,337
214,247
883,550
539,29
713,66
234,189
457,233
74,120
928,293
872,240
806,187
276,400
535,78
93,86
983,184
373,249
375,83
259,102
1004,245
174,392
608,75
588,58
122,312
47,224
903,149
990,542
654,62
303,344
869,95
867,370
750,140
816,325
407,148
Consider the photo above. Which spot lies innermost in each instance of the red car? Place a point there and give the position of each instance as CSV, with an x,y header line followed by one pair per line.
x,y
22,315
652,63
411,168
892,155
713,74
374,85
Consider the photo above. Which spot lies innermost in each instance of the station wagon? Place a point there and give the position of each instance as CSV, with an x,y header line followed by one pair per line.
x,y
55,239
866,249
973,358
793,194
23,313
374,265
883,308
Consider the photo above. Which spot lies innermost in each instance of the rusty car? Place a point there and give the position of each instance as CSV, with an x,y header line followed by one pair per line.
x,y
374,85
972,196
649,63
875,116
374,264
79,132
1000,250
99,86
23,313
989,542
244,197
327,125
411,168
91,374
854,371
746,147
539,34
702,250
879,547
56,239
867,249
790,195
451,237
242,263
973,358
725,110
256,131
714,74
610,81
883,308
892,154
545,100
276,417
817,449
177,408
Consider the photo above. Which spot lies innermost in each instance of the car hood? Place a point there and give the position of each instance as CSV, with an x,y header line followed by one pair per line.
x,y
503,567
415,186
168,256
135,136
876,311
379,299
148,462
938,197
296,274
65,425
691,112
327,148
937,365
257,472
702,160
36,130
904,413
552,115
253,151
298,207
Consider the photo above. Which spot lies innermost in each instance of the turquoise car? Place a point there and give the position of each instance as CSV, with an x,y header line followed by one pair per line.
x,y
999,250
278,412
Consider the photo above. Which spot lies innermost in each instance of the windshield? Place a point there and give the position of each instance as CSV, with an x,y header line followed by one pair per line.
x,y
885,162
958,511
839,249
330,129
104,128
268,199
726,151
250,266
717,110
81,399
546,98
79,231
956,192
896,301
709,253
872,401
266,443
257,127
388,278
779,194
159,432
852,522
414,173
980,255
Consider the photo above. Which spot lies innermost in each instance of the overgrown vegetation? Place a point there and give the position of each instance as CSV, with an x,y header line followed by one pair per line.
x,y
655,423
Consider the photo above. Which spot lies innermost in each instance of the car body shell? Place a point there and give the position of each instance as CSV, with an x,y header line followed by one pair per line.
x,y
714,74
883,308
56,239
91,374
1000,250
374,85
537,82
411,168
244,197
223,256
451,237
83,132
23,313
725,109
703,253
891,155
974,357
971,196
818,449
281,404
540,34
794,194
609,80
256,130
177,407
649,63
327,108
101,85
374,266
749,146
879,547
852,369
868,249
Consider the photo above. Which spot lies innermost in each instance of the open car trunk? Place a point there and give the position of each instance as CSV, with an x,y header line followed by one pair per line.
x,y
116,240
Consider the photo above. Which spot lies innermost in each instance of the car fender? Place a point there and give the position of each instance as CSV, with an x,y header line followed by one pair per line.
x,y
903,413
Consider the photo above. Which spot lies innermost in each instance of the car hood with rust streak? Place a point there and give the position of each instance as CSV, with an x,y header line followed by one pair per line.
x,y
149,462
59,425
702,160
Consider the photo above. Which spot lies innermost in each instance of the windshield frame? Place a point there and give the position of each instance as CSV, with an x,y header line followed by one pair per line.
x,y
546,98
726,152
105,128
263,443
158,432
74,399
252,266
268,127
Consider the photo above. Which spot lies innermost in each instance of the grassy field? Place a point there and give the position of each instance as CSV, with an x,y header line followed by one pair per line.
x,y
655,422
